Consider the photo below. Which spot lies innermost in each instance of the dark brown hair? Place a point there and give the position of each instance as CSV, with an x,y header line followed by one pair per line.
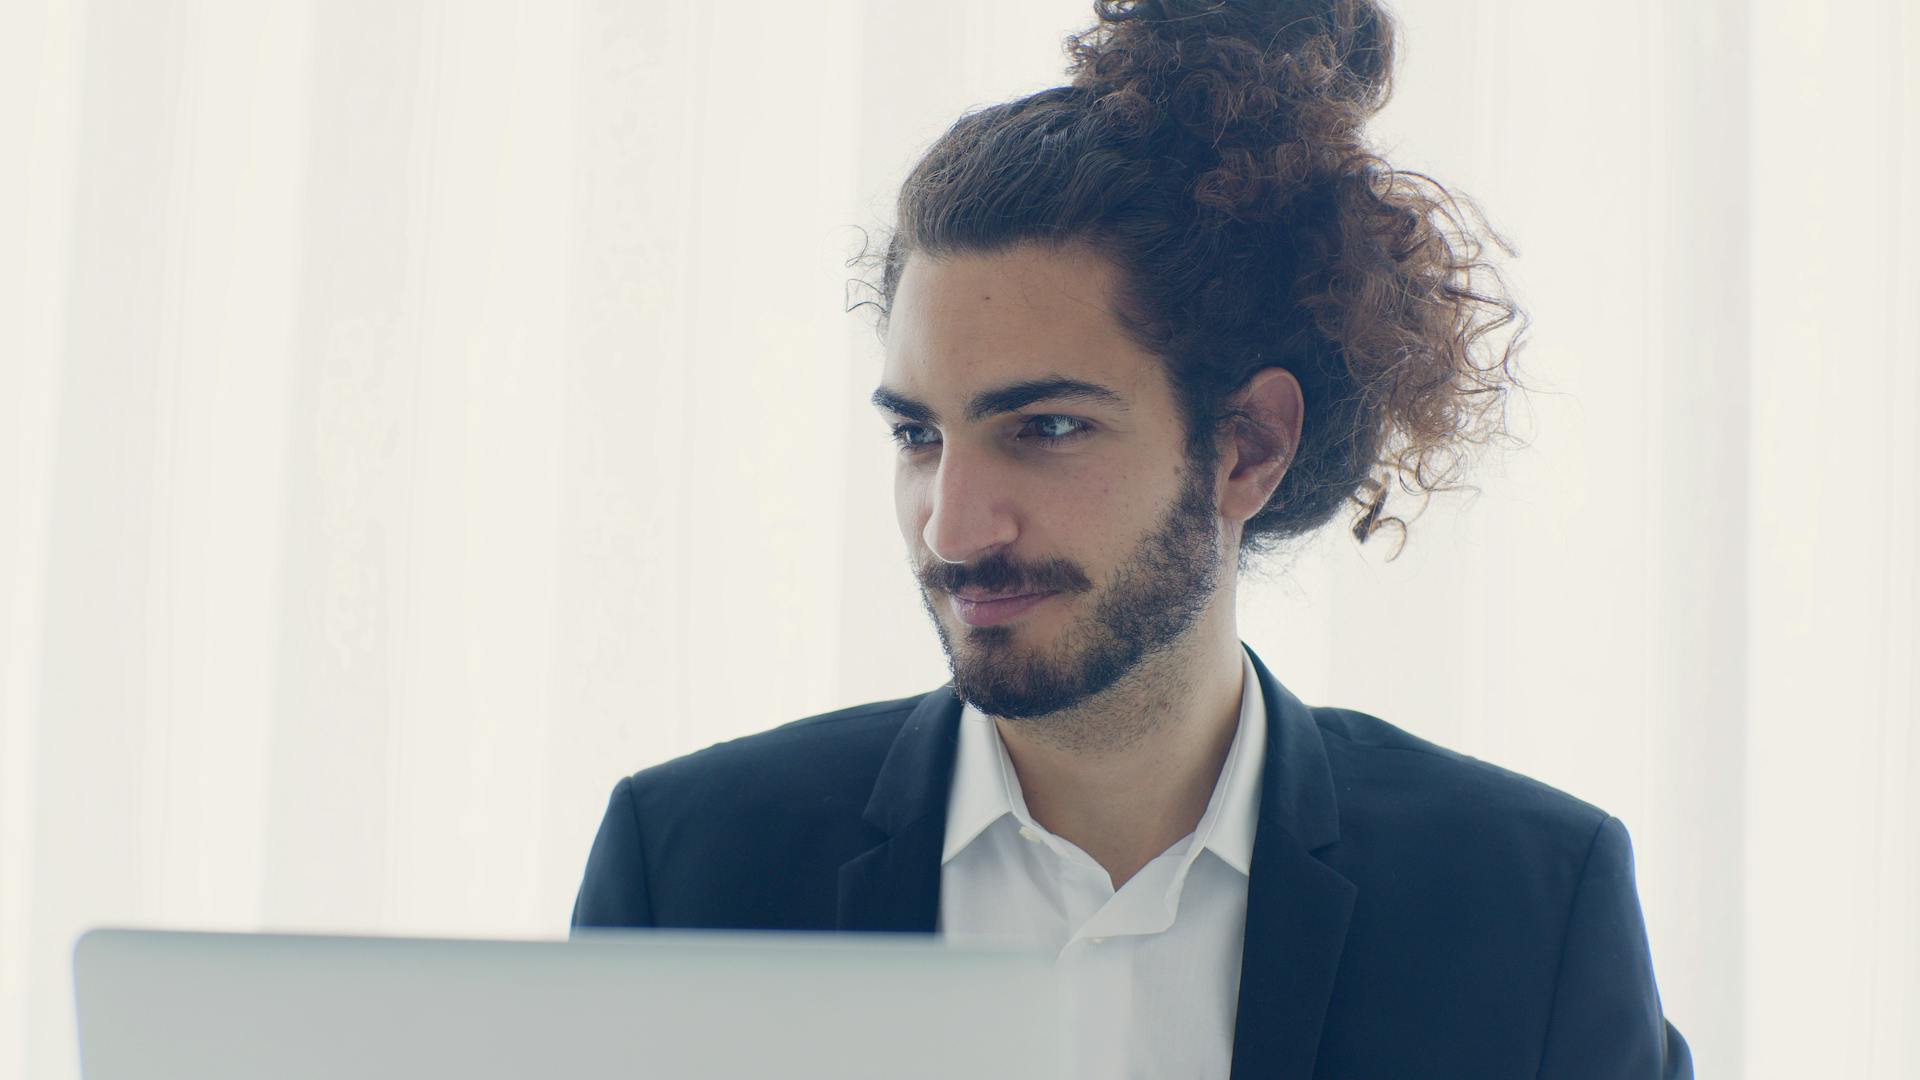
x,y
1213,151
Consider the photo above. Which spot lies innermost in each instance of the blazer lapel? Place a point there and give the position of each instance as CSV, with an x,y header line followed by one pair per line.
x,y
1297,906
896,884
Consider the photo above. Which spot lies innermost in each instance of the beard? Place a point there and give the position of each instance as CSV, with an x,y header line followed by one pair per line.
x,y
1160,590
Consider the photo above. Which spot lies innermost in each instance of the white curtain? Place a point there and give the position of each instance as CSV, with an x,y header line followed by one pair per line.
x,y
416,415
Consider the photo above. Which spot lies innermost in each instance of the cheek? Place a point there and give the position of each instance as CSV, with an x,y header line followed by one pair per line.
x,y
1095,490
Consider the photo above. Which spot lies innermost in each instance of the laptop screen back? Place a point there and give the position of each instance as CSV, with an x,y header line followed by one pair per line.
x,y
169,1005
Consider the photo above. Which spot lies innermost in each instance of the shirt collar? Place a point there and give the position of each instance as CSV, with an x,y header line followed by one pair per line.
x,y
985,787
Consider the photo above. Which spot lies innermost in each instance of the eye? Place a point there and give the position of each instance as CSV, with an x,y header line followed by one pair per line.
x,y
903,434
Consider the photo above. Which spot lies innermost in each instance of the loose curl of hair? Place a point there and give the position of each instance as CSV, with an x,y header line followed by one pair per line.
x,y
1213,151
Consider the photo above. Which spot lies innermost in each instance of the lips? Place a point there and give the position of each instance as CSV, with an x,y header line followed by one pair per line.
x,y
981,596
994,612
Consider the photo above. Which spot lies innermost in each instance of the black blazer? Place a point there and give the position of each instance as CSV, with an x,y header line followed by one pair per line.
x,y
1411,911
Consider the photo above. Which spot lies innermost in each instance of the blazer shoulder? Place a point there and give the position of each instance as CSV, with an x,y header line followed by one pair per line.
x,y
745,834
832,756
1493,916
1390,767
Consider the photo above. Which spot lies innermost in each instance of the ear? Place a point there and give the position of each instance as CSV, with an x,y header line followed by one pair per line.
x,y
1253,457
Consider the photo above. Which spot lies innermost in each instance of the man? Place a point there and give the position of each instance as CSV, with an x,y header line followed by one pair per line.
x,y
1235,883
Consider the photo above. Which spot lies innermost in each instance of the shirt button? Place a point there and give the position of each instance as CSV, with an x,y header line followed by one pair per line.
x,y
1027,833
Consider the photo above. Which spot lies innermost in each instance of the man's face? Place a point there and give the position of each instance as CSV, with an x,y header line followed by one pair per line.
x,y
1108,518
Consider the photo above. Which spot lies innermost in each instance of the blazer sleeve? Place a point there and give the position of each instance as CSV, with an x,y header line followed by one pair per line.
x,y
614,891
1605,1020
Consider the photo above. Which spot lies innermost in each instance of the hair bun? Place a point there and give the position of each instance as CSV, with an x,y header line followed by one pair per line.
x,y
1341,49
1279,90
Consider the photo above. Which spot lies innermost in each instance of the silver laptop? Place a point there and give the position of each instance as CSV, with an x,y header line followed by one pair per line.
x,y
169,1005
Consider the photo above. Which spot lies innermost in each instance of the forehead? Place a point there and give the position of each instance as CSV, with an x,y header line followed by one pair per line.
x,y
962,321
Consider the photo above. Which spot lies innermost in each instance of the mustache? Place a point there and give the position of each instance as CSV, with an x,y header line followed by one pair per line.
x,y
999,577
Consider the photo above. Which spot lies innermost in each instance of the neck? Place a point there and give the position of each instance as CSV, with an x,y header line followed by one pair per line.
x,y
1128,797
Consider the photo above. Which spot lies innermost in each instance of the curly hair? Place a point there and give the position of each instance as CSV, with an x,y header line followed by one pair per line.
x,y
1213,151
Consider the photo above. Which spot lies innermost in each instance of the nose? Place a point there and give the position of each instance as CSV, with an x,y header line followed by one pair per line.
x,y
970,513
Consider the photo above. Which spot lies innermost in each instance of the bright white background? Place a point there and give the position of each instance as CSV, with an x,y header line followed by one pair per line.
x,y
414,416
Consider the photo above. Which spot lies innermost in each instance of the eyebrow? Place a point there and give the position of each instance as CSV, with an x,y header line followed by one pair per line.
x,y
1004,399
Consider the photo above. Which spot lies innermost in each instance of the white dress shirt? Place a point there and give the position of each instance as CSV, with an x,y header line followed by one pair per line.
x,y
1153,970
